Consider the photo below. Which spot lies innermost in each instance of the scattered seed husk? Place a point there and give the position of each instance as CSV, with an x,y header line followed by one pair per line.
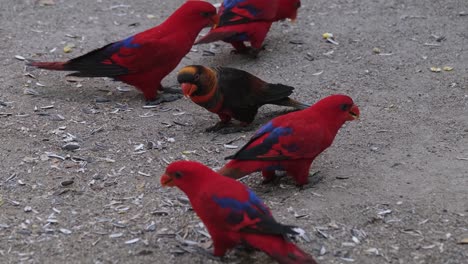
x,y
71,146
139,147
230,146
132,241
376,50
329,37
71,36
19,57
123,89
162,213
115,235
429,246
145,252
67,183
151,227
183,199
12,176
323,251
323,234
68,48
149,106
47,107
208,53
54,156
27,209
46,2
65,231
101,99
412,232
384,212
463,241
144,174
30,91
447,68
73,79
372,251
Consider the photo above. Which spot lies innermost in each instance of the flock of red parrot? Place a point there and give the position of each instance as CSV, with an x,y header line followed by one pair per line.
x,y
231,212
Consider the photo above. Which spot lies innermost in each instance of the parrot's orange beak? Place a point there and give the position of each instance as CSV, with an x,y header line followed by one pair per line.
x,y
293,17
167,181
354,112
215,20
188,89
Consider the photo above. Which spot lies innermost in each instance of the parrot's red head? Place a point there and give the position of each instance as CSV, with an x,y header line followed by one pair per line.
x,y
288,9
185,174
197,12
197,81
339,107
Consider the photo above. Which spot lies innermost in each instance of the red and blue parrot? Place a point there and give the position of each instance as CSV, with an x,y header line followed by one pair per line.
x,y
233,214
249,20
144,59
292,141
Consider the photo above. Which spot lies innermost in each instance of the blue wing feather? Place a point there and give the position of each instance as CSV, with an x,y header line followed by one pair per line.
x,y
253,207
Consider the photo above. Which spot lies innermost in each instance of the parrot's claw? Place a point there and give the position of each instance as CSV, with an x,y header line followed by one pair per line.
x,y
202,251
249,51
162,98
233,129
217,127
275,179
170,90
268,180
314,179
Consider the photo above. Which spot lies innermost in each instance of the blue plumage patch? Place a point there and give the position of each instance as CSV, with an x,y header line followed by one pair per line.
x,y
291,147
238,37
253,207
228,4
252,10
274,167
126,43
265,129
279,132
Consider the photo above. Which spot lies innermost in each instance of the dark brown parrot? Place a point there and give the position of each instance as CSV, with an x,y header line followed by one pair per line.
x,y
232,93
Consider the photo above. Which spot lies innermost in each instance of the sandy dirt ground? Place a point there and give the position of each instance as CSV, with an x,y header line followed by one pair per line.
x,y
395,187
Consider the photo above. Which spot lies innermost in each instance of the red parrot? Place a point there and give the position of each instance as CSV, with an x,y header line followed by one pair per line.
x,y
144,59
292,141
249,20
233,214
232,93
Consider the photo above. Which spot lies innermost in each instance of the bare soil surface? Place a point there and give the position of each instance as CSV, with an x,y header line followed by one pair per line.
x,y
395,187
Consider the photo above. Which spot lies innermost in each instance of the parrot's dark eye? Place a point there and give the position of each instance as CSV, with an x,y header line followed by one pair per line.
x,y
345,107
206,14
196,77
178,175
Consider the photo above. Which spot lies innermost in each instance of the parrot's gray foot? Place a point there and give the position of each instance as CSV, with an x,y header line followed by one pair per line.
x,y
163,98
171,90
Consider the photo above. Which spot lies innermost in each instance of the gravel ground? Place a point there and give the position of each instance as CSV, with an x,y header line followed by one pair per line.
x,y
395,187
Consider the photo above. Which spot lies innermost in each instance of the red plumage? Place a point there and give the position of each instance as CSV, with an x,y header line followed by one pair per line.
x,y
144,59
291,142
233,214
249,20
